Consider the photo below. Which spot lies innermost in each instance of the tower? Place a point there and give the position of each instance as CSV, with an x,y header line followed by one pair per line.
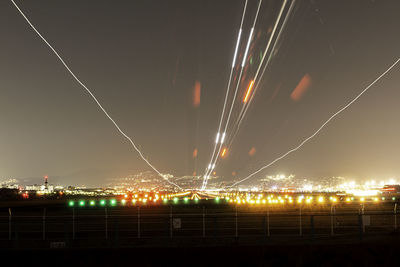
x,y
45,183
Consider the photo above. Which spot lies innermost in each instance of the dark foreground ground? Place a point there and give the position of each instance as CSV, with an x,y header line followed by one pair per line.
x,y
201,235
374,253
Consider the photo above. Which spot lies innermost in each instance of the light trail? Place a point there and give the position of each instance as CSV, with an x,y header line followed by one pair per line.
x,y
234,96
94,98
246,97
245,108
228,87
223,153
321,127
277,22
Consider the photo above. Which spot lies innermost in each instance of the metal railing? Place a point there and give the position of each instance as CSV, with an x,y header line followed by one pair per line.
x,y
130,225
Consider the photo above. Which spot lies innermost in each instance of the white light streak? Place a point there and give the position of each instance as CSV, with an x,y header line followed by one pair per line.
x,y
247,47
237,47
223,138
245,107
217,138
236,90
321,127
229,81
93,97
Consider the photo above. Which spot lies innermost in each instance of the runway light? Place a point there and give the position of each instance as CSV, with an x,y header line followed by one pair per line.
x,y
348,199
320,199
113,202
176,200
71,203
133,201
393,198
362,199
102,202
144,201
81,203
217,199
165,200
196,200
123,202
186,200
92,203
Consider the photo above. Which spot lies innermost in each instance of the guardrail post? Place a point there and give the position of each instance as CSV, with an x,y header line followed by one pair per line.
x,y
171,223
300,226
204,221
73,223
106,225
268,222
9,224
362,219
138,221
44,224
360,226
332,218
236,223
395,217
312,227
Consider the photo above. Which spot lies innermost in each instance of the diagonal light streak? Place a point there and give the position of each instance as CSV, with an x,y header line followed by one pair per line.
x,y
321,127
94,98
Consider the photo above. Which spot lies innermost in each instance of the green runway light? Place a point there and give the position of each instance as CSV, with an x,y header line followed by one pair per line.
x,y
217,199
113,202
186,200
102,202
175,200
123,202
165,200
81,203
383,198
92,203
393,198
71,203
196,200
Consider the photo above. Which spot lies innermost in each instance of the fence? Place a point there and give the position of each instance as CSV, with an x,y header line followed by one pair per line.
x,y
136,225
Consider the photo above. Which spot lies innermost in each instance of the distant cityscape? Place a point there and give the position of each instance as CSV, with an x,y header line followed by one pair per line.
x,y
150,182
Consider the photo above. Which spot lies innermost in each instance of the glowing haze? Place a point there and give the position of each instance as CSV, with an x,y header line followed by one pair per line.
x,y
160,69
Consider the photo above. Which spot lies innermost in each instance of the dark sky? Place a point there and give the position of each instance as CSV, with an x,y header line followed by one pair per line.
x,y
142,60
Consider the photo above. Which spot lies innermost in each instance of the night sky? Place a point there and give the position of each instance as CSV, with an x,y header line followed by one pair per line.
x,y
144,61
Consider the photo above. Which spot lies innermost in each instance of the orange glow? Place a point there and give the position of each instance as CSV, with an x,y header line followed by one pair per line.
x,y
301,88
195,153
233,173
252,151
223,154
196,94
246,98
